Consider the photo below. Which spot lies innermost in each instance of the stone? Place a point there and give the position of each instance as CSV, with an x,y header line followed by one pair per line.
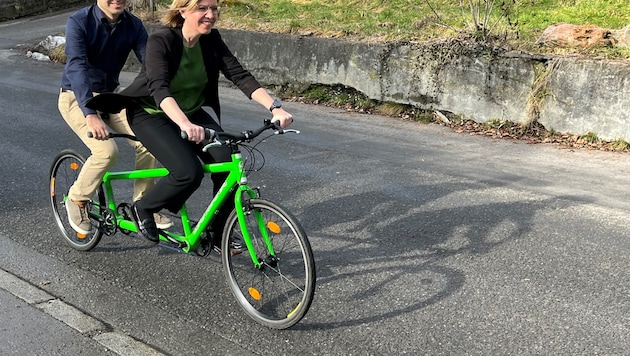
x,y
568,35
622,37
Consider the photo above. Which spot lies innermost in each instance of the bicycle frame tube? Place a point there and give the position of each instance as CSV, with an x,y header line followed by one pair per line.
x,y
191,236
109,177
234,169
236,178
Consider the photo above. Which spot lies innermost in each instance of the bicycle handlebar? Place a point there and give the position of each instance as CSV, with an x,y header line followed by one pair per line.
x,y
115,135
220,138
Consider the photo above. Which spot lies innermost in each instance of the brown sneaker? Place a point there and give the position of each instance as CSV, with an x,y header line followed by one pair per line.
x,y
162,222
78,216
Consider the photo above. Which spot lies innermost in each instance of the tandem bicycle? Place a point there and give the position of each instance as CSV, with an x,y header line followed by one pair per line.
x,y
272,278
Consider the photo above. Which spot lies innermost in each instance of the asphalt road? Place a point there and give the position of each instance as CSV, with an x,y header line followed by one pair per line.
x,y
426,241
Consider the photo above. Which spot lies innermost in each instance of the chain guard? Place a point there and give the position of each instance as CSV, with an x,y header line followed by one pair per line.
x,y
124,210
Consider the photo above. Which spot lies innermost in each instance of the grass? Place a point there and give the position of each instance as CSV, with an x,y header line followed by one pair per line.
x,y
589,137
515,23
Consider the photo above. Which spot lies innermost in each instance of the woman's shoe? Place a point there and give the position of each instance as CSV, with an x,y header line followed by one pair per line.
x,y
145,224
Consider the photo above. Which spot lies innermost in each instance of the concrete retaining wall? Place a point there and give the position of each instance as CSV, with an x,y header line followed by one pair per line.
x,y
578,95
12,9
589,96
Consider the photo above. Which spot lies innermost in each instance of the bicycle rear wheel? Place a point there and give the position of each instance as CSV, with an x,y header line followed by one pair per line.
x,y
63,173
280,292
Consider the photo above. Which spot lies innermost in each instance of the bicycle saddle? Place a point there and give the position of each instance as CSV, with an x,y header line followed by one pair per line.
x,y
111,103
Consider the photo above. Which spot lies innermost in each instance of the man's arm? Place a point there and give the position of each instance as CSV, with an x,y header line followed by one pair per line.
x,y
78,75
77,64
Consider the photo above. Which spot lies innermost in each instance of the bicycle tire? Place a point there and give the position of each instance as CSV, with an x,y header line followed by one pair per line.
x,y
63,173
277,297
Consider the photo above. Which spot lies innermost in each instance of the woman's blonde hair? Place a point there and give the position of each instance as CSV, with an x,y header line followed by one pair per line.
x,y
172,17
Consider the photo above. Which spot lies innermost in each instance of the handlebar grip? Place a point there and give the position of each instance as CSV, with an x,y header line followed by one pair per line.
x,y
90,134
209,133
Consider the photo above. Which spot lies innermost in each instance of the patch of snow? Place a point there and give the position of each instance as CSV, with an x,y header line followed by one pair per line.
x,y
37,56
52,42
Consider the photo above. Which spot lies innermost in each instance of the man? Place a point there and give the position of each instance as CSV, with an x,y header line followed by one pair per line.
x,y
99,38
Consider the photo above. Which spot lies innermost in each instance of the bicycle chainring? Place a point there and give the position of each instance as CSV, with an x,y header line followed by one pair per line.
x,y
205,245
108,225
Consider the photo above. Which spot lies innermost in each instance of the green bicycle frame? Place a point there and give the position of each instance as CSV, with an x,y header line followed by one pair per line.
x,y
236,179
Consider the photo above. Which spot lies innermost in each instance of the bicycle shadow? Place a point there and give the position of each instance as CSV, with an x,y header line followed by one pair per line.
x,y
378,260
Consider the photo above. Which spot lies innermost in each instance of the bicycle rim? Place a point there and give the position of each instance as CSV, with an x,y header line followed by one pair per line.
x,y
276,296
63,173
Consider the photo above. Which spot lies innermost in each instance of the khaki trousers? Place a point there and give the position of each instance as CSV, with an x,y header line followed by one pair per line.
x,y
103,153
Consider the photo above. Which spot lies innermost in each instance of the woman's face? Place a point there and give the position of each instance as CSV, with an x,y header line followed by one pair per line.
x,y
202,16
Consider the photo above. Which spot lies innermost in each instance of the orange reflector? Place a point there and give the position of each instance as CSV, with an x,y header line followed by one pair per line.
x,y
81,236
74,166
52,187
273,227
254,293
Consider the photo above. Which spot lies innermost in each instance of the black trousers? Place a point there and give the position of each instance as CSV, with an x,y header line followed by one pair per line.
x,y
162,138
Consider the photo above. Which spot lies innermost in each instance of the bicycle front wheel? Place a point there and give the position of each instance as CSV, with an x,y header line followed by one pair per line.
x,y
63,173
279,292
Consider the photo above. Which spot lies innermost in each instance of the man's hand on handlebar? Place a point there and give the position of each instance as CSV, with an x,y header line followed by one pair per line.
x,y
97,127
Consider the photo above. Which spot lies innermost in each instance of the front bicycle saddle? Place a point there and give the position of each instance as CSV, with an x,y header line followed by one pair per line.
x,y
109,103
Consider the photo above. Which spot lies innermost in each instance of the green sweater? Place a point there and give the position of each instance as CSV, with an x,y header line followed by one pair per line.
x,y
187,85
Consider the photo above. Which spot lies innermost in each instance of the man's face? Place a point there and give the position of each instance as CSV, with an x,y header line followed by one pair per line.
x,y
112,8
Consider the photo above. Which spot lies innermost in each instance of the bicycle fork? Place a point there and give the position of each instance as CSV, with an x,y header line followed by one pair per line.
x,y
243,208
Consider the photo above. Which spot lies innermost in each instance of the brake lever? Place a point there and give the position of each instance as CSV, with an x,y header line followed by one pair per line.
x,y
283,131
215,143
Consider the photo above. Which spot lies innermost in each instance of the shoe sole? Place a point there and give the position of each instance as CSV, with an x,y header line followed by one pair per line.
x,y
74,226
164,226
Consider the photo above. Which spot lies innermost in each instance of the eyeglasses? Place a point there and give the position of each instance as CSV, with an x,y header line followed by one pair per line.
x,y
204,9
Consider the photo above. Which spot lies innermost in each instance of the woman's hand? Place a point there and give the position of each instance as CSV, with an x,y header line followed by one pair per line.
x,y
195,133
281,116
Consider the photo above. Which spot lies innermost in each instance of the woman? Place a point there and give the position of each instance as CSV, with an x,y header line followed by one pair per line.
x,y
180,75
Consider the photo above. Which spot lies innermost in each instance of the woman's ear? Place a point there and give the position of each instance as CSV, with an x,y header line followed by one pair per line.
x,y
181,13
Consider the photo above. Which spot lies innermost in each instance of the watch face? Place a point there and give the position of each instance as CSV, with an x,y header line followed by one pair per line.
x,y
276,104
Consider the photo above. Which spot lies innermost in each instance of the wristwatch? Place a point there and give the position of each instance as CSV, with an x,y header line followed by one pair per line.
x,y
276,104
